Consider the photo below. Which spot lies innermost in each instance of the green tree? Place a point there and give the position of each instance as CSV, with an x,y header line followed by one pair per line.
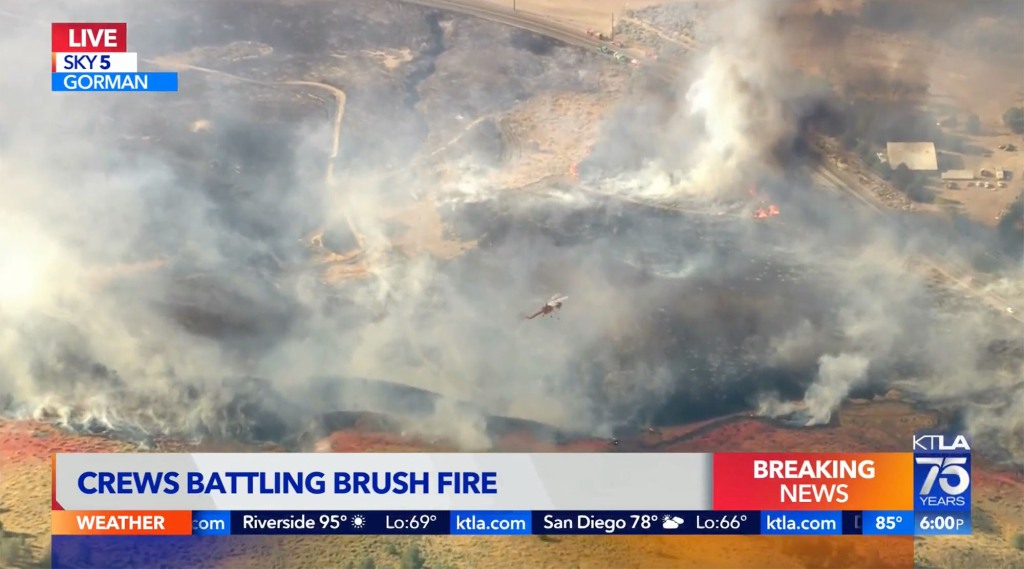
x,y
14,551
1013,118
974,124
883,169
848,140
1010,229
955,142
864,124
1018,541
866,153
46,561
916,191
412,558
902,177
368,563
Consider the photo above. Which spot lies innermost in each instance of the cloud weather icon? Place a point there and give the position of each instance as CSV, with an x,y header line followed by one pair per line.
x,y
671,522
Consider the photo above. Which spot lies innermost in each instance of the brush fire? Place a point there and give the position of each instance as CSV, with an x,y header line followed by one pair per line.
x,y
766,210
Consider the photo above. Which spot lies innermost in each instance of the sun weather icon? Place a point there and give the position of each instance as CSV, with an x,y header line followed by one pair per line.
x,y
358,521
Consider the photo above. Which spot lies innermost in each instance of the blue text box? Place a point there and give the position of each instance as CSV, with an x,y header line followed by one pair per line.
x,y
491,523
152,82
211,523
889,523
942,523
801,523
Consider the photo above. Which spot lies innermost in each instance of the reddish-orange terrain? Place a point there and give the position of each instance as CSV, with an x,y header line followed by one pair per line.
x,y
882,425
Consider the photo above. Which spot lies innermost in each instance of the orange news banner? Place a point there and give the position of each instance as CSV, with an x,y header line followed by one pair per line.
x,y
814,481
122,523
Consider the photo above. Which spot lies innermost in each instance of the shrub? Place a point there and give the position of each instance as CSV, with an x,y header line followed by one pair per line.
x,y
1013,118
974,124
14,551
46,560
412,558
1018,541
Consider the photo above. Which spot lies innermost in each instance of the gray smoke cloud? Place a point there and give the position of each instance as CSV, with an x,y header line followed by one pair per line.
x,y
170,264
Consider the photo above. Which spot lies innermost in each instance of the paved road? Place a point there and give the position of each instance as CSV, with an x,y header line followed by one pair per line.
x,y
503,14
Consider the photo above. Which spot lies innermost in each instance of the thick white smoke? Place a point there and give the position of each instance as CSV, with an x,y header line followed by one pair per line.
x,y
730,112
737,97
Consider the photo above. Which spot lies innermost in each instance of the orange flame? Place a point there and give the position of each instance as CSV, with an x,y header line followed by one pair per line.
x,y
763,213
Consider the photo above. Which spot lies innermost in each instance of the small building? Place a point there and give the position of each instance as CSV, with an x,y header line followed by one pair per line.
x,y
1000,174
958,175
918,156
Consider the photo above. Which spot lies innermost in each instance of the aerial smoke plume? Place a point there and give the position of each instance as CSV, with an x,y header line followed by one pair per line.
x,y
737,98
729,113
157,273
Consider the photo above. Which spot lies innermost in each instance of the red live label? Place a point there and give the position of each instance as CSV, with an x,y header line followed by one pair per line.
x,y
89,37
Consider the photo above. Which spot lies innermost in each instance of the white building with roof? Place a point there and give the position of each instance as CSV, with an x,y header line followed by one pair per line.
x,y
958,175
918,156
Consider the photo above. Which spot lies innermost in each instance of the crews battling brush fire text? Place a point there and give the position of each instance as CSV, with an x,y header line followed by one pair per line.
x,y
815,470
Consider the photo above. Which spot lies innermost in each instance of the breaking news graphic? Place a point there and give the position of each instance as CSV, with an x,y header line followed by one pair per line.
x,y
95,57
151,497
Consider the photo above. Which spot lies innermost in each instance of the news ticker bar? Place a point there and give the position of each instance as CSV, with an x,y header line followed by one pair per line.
x,y
705,522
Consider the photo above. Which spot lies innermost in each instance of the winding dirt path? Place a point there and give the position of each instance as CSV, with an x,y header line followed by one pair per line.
x,y
339,116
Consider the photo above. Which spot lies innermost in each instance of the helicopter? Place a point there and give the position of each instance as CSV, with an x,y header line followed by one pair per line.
x,y
549,307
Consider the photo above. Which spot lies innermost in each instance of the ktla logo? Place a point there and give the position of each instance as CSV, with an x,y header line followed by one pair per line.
x,y
945,468
943,475
940,443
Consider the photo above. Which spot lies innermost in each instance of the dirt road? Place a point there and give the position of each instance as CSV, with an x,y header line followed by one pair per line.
x,y
339,115
338,94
